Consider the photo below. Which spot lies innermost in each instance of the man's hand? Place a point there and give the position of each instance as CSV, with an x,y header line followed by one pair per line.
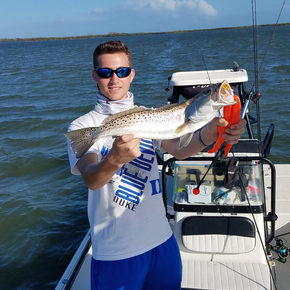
x,y
125,149
232,134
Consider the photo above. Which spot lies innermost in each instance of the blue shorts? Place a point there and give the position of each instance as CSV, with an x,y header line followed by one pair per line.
x,y
159,268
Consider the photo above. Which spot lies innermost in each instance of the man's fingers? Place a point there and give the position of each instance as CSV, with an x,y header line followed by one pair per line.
x,y
126,138
219,122
239,125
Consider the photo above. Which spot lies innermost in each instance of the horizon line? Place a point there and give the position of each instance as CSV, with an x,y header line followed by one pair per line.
x,y
112,34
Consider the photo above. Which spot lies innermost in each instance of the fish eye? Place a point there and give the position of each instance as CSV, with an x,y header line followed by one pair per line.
x,y
208,92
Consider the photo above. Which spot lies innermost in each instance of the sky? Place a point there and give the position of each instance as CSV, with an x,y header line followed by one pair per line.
x,y
59,18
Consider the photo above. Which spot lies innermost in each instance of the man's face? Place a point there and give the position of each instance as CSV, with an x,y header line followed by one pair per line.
x,y
114,88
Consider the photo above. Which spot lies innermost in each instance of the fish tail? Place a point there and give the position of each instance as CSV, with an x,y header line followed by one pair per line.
x,y
81,140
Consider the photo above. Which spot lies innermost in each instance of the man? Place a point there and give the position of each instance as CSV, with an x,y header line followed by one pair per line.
x,y
133,246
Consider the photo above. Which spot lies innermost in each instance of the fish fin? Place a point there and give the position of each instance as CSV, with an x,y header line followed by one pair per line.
x,y
81,140
184,140
181,128
124,113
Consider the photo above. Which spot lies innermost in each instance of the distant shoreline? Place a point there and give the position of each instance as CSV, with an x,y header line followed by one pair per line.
x,y
115,34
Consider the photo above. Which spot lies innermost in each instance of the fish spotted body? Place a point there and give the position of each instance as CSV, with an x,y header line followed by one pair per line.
x,y
166,122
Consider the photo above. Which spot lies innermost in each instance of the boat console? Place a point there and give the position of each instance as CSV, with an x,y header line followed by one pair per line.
x,y
223,231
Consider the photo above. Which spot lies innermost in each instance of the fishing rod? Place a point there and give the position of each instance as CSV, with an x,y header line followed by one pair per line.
x,y
257,69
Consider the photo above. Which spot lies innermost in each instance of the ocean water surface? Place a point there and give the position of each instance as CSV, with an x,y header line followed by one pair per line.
x,y
45,85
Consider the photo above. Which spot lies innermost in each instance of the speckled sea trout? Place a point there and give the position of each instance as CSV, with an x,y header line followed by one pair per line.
x,y
166,122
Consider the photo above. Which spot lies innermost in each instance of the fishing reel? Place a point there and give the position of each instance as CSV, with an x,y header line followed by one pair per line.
x,y
281,250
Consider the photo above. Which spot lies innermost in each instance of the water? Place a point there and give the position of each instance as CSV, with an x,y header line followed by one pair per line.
x,y
45,85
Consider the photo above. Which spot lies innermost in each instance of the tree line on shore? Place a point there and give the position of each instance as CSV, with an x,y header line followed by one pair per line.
x,y
118,34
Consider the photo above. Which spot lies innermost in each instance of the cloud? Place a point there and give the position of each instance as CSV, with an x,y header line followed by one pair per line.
x,y
173,5
133,16
99,10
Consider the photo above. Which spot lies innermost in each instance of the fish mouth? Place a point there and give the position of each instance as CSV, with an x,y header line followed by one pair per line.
x,y
223,94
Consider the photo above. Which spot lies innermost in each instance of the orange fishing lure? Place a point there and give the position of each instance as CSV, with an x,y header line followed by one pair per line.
x,y
232,115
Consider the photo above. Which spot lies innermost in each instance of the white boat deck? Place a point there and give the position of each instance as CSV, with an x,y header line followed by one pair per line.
x,y
82,280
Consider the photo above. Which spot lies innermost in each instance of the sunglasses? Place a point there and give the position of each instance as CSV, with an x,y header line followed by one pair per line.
x,y
106,73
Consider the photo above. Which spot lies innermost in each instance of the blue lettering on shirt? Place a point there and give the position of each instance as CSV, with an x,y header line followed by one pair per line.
x,y
134,180
155,186
140,164
129,194
143,158
145,146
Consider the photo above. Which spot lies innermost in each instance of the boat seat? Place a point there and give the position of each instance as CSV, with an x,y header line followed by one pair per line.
x,y
224,275
216,254
218,235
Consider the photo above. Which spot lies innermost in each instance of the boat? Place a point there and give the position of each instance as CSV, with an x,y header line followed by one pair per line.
x,y
232,234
